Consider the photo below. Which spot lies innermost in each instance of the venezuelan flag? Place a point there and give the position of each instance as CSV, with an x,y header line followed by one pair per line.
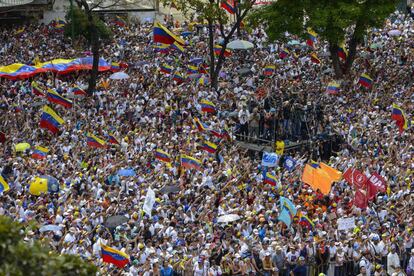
x,y
306,222
270,179
19,31
177,46
216,133
4,187
207,106
269,70
209,147
190,162
225,134
398,115
112,139
40,153
165,68
285,52
162,48
115,67
191,69
178,78
78,91
50,120
365,80
37,90
119,21
314,164
162,156
54,97
312,37
95,142
315,59
165,36
342,52
203,80
218,49
113,256
200,125
229,6
333,87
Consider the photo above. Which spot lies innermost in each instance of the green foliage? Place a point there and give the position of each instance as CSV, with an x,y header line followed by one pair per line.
x,y
330,19
82,25
22,258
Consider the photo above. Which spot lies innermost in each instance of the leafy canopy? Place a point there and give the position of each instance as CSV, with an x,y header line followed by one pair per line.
x,y
20,258
330,19
82,25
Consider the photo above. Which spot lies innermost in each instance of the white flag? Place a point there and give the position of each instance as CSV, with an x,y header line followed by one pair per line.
x,y
149,202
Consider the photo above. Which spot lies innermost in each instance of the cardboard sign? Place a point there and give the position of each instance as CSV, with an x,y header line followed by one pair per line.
x,y
346,223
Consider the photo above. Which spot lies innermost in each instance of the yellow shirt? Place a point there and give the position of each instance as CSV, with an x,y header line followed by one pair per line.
x,y
280,147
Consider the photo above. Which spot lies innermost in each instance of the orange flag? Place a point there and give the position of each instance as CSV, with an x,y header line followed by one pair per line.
x,y
335,175
317,179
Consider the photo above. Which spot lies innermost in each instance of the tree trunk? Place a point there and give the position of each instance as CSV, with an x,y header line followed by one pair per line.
x,y
95,52
352,46
333,49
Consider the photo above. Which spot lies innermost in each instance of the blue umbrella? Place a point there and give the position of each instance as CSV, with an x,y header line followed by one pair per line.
x,y
126,172
186,33
52,183
196,60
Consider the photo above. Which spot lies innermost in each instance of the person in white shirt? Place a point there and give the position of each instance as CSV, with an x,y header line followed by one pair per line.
x,y
244,116
393,261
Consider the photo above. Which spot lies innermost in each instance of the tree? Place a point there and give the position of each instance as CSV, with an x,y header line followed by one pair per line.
x,y
87,24
22,258
216,17
336,22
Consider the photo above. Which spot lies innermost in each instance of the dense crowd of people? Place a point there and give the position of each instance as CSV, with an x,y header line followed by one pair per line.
x,y
150,111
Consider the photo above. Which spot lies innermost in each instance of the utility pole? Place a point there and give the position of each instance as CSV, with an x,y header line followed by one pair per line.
x,y
72,25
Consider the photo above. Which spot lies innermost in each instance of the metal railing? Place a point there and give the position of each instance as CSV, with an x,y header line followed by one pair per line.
x,y
12,3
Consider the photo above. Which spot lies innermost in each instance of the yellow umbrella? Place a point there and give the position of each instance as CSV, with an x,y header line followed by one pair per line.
x,y
38,186
22,146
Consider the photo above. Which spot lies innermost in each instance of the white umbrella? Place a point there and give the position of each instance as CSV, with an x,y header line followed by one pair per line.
x,y
119,76
240,45
228,218
394,32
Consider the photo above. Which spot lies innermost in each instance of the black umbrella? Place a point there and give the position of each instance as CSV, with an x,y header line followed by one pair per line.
x,y
114,221
170,189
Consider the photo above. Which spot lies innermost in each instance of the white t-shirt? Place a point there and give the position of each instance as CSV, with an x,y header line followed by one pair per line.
x,y
392,260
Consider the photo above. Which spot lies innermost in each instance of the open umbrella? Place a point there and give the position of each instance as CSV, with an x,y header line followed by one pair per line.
x,y
126,172
114,221
375,46
119,76
394,32
50,227
294,42
22,146
170,189
228,218
245,71
196,60
240,45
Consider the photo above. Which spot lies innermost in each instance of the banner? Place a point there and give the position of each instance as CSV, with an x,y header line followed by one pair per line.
x,y
346,223
376,184
149,202
355,177
269,159
361,199
289,163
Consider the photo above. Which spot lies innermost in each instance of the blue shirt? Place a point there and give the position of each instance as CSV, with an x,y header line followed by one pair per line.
x,y
166,271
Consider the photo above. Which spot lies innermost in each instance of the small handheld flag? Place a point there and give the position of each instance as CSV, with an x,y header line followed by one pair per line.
x,y
315,59
37,90
162,156
40,153
165,36
200,125
269,70
4,186
285,52
50,120
312,37
113,256
209,147
398,115
55,97
365,80
333,88
189,162
229,6
208,106
95,142
165,68
270,179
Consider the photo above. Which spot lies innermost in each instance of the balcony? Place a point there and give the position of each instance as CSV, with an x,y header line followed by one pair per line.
x,y
13,3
